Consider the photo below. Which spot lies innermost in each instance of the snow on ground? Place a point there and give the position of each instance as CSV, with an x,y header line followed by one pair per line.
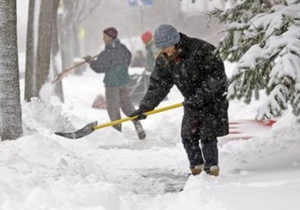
x,y
116,171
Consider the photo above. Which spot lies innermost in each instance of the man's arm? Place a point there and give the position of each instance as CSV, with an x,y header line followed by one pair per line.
x,y
102,64
160,85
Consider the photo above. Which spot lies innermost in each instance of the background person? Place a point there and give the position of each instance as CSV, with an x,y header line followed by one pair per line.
x,y
114,61
139,59
147,39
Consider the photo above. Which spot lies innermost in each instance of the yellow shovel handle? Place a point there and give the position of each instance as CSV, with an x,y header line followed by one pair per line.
x,y
132,118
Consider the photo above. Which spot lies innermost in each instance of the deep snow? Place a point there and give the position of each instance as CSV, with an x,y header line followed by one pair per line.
x,y
116,171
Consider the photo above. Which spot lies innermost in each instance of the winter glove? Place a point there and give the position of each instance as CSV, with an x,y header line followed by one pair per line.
x,y
88,58
140,113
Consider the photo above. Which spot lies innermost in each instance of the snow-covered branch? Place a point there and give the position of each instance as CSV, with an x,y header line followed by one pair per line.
x,y
265,43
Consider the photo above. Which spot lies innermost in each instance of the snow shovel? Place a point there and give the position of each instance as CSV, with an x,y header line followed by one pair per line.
x,y
66,71
89,128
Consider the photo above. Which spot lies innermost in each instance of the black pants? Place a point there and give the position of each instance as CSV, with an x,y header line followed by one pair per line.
x,y
198,128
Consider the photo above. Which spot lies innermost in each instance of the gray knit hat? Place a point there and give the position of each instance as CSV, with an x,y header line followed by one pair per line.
x,y
165,36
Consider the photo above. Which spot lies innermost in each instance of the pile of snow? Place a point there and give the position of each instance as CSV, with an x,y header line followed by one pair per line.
x,y
112,170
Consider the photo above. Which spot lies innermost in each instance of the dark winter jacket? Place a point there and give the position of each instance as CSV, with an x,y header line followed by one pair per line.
x,y
200,77
114,62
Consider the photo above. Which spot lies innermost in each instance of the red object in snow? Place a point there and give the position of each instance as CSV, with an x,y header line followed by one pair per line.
x,y
99,102
245,129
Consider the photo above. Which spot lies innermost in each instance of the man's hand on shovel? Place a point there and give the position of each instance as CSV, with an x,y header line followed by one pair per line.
x,y
88,58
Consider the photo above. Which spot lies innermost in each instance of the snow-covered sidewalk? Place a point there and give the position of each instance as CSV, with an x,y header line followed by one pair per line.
x,y
116,171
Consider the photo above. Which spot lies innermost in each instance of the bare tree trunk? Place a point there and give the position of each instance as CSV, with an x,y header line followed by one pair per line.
x,y
10,105
30,58
58,89
38,52
65,31
44,45
76,48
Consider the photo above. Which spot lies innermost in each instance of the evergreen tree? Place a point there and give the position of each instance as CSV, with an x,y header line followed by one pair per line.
x,y
263,37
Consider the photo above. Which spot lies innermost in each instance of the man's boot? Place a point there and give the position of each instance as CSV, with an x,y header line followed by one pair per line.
x,y
196,170
214,171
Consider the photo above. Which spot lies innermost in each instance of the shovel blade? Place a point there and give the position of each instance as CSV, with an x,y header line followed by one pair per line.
x,y
86,130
